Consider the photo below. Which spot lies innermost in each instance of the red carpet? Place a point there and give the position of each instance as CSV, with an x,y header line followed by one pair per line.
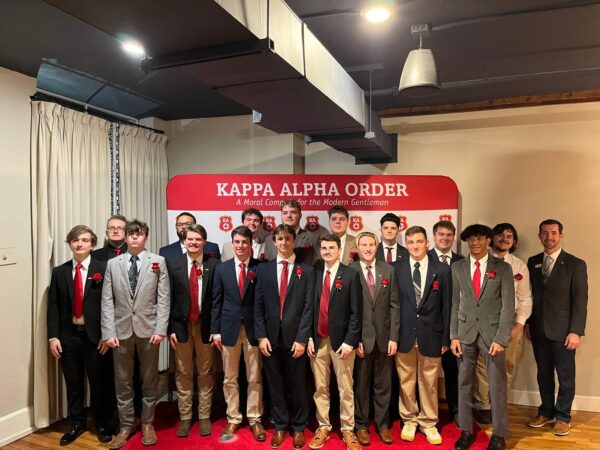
x,y
167,421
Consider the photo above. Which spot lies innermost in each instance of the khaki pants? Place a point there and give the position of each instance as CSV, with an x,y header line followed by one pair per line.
x,y
321,367
481,388
412,366
231,388
184,374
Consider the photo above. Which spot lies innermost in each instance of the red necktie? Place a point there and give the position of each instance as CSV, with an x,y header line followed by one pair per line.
x,y
283,287
477,280
388,258
323,325
117,251
371,282
78,292
242,280
194,309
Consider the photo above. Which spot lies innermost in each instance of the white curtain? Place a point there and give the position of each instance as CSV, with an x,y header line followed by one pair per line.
x,y
70,185
143,181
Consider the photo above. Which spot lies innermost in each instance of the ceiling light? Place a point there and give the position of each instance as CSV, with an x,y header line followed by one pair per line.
x,y
419,75
134,48
377,14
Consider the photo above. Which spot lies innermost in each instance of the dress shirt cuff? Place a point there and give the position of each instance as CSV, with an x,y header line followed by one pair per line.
x,y
521,319
53,339
214,337
347,347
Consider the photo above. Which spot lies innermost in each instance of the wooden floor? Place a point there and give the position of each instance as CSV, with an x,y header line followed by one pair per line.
x,y
585,435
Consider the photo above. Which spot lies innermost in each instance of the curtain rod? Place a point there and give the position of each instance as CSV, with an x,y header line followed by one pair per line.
x,y
111,116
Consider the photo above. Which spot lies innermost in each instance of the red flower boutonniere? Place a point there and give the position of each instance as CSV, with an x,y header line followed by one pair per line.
x,y
299,272
251,276
385,282
435,285
491,274
518,277
354,255
211,254
307,246
199,272
262,256
338,284
156,269
97,277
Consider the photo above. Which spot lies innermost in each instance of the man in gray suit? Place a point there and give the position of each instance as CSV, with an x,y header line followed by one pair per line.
x,y
483,314
253,219
134,318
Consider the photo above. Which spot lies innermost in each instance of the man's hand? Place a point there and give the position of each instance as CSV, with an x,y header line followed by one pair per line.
x,y
392,348
572,341
55,348
217,343
495,348
343,352
102,347
311,348
360,351
444,349
456,348
156,339
516,330
265,347
113,342
173,341
297,349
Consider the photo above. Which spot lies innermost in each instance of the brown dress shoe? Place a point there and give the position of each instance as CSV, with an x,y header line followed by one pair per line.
x,y
299,439
318,441
184,428
229,431
121,439
363,436
351,441
205,427
385,435
539,421
259,432
561,428
148,434
278,438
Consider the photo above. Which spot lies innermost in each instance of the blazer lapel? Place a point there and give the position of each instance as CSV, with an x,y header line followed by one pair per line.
x,y
205,276
378,278
123,264
142,273
466,271
406,273
69,281
428,282
557,265
365,290
491,266
88,281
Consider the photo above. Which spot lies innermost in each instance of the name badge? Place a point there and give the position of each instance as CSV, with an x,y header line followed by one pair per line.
x,y
537,266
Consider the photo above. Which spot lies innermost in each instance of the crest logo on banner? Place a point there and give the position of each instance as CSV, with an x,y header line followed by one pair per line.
x,y
356,223
312,223
225,223
269,223
447,217
403,223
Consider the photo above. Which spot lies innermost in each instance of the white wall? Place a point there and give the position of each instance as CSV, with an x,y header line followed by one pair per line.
x,y
16,385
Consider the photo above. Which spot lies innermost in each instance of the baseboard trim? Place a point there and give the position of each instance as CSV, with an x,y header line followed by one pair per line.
x,y
532,398
15,425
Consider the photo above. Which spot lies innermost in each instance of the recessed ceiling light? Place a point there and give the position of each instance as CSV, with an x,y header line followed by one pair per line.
x,y
134,48
377,14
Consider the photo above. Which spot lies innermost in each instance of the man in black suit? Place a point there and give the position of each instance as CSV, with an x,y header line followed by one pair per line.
x,y
389,250
337,317
172,251
191,277
379,340
560,294
115,239
425,302
74,333
444,233
282,324
232,328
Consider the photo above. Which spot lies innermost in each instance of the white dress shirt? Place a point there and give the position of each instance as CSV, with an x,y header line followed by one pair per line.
x,y
523,299
364,265
190,262
394,248
85,265
291,260
554,257
423,264
482,267
138,263
439,254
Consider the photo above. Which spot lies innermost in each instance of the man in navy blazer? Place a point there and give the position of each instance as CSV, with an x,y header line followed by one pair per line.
x,y
388,249
425,304
560,294
232,329
172,251
283,323
337,320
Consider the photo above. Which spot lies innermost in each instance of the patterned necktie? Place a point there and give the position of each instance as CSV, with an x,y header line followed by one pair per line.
x,y
194,290
388,258
371,282
283,287
323,324
477,280
417,282
78,292
547,268
242,280
133,273
444,259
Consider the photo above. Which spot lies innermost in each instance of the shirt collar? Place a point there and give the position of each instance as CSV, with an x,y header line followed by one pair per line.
x,y
85,263
291,260
364,265
482,261
238,261
140,255
422,263
553,255
198,259
333,269
440,253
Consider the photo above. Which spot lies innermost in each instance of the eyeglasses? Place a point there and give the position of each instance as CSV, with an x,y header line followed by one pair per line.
x,y
184,224
115,229
476,239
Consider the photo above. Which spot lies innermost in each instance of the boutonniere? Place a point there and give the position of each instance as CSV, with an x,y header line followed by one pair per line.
x,y
491,274
299,272
435,285
251,276
199,272
211,254
385,282
97,277
518,277
354,255
156,269
338,284
307,245
262,256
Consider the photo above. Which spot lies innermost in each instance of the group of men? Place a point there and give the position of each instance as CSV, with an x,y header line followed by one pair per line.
x,y
297,299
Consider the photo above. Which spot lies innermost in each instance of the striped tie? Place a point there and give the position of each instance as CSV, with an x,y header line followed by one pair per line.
x,y
547,268
417,282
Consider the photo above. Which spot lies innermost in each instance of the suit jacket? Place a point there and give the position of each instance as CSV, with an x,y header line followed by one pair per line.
x,y
305,247
559,306
173,250
494,314
296,322
380,314
228,309
107,252
455,256
350,252
345,307
401,253
180,296
429,324
60,302
144,312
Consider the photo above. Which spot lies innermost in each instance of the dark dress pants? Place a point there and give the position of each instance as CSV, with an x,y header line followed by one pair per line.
x,y
375,369
450,366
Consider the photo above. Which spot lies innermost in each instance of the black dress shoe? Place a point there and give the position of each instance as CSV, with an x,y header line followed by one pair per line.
x,y
72,434
465,441
103,434
496,443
